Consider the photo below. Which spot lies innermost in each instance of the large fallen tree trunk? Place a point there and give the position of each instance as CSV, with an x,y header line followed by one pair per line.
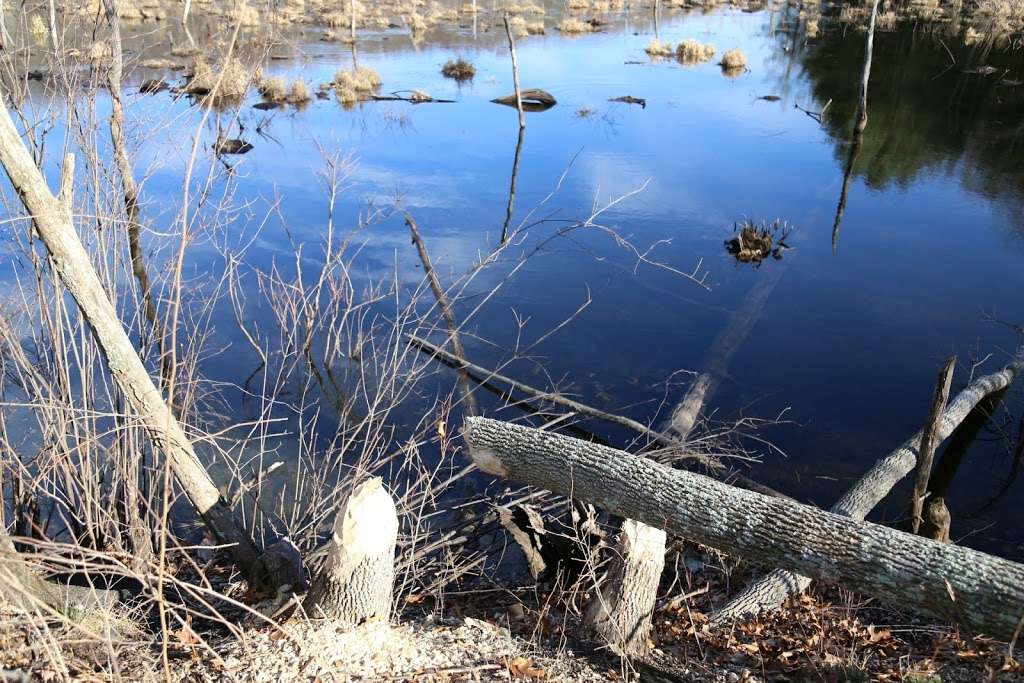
x,y
71,262
770,591
982,593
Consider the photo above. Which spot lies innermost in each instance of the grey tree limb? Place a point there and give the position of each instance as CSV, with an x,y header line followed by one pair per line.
x,y
73,266
981,593
771,590
666,440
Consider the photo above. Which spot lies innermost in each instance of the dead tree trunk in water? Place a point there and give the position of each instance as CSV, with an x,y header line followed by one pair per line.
x,y
512,185
357,581
926,452
982,593
860,123
515,73
770,591
72,264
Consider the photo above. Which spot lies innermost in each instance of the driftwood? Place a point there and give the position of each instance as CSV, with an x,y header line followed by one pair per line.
x,y
770,591
532,100
72,264
926,452
981,593
716,363
356,584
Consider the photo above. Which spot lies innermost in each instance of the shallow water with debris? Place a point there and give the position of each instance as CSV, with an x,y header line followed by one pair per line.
x,y
860,317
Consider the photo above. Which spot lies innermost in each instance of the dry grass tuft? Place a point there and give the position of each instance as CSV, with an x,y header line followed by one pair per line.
x,y
692,51
573,26
734,59
299,93
37,27
458,69
352,85
272,89
231,82
657,48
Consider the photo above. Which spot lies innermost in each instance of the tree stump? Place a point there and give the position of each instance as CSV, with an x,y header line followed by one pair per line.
x,y
357,581
620,613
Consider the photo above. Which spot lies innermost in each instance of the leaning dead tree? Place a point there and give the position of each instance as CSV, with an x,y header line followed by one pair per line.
x,y
356,584
770,591
52,221
982,593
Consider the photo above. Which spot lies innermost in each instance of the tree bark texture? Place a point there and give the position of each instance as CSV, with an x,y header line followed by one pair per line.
x,y
72,264
621,611
770,591
356,583
982,593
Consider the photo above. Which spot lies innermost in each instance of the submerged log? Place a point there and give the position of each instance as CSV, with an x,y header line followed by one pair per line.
x,y
356,584
770,591
532,100
982,593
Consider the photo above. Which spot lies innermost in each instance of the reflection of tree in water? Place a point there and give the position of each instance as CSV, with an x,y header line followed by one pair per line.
x,y
927,115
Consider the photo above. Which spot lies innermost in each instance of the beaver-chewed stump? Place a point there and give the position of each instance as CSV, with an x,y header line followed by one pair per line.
x,y
754,243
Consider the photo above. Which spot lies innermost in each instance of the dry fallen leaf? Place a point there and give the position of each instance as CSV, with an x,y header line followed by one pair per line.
x,y
524,667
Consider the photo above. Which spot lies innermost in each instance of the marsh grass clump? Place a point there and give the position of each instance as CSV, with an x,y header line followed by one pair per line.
x,y
231,81
657,48
272,89
458,69
352,85
692,51
733,60
753,243
37,27
298,93
573,26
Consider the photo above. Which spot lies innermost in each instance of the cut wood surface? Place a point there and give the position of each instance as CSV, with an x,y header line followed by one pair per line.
x,y
356,584
981,593
770,591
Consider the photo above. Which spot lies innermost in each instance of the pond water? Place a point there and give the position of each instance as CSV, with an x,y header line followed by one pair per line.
x,y
854,328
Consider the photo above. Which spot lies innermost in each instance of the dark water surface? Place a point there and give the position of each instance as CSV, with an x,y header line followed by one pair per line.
x,y
852,335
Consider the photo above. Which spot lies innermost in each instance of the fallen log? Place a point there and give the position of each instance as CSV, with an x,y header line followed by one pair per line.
x,y
22,588
771,590
981,593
